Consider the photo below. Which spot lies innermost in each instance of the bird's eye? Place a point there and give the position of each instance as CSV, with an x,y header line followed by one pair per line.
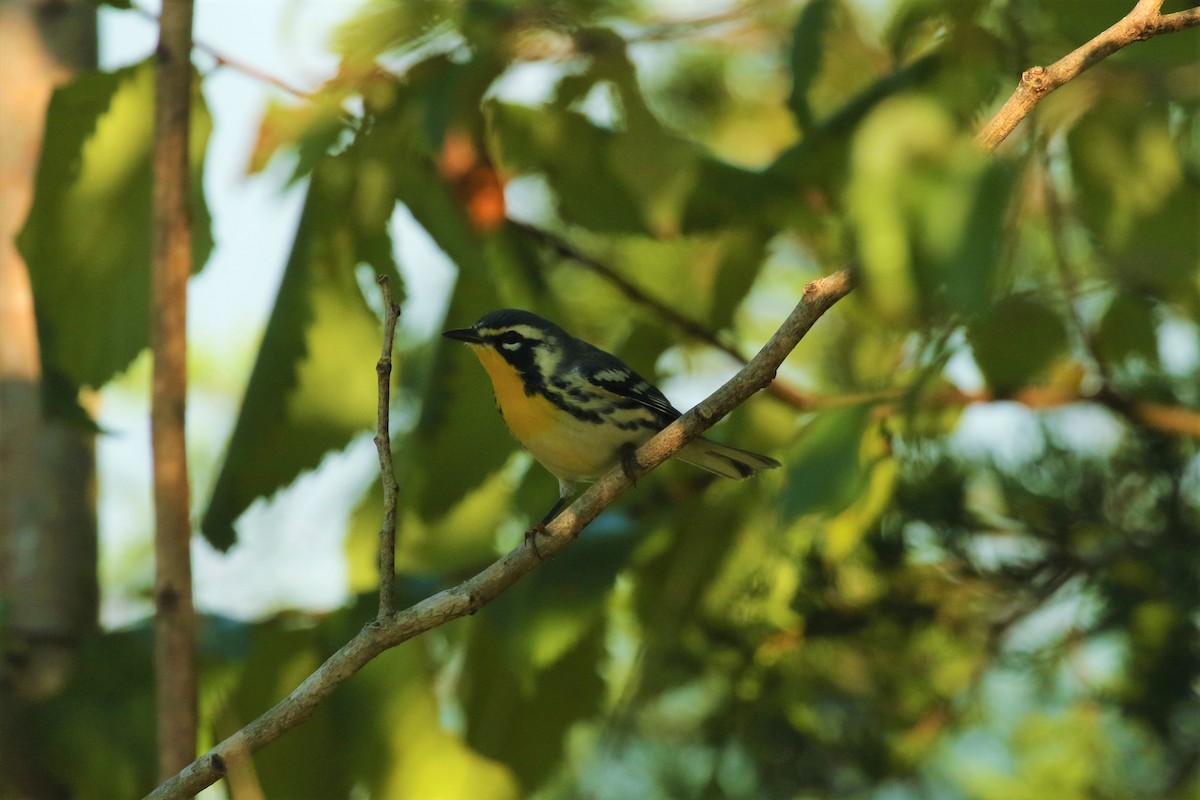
x,y
510,340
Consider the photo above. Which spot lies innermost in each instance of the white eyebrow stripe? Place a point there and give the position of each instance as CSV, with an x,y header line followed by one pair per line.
x,y
526,331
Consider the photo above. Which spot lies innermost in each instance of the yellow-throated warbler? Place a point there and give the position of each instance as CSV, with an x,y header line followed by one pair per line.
x,y
577,409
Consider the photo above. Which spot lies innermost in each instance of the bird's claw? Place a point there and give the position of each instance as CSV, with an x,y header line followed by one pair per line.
x,y
629,462
531,537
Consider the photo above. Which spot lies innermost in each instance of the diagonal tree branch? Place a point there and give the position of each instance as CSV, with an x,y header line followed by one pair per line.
x,y
387,631
1143,22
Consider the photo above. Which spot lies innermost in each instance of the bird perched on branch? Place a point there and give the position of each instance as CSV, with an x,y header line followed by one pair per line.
x,y
577,409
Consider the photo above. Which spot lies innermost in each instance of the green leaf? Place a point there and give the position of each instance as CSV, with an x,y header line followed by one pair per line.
x,y
313,386
103,750
533,658
726,195
742,259
969,271
1137,196
576,157
928,210
807,55
825,469
310,129
1015,341
87,237
460,439
1128,330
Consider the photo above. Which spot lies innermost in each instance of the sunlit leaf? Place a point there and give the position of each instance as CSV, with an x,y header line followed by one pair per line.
x,y
87,237
309,129
929,211
313,386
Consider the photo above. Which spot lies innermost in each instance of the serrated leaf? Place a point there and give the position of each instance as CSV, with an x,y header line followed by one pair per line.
x,y
87,237
313,384
1015,340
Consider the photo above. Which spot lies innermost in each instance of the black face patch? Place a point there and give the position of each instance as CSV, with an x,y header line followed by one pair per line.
x,y
519,351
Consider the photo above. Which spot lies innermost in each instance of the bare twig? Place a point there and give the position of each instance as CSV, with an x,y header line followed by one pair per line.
x,y
175,617
223,60
383,444
474,593
1143,22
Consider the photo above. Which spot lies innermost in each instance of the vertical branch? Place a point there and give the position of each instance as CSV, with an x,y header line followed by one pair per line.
x,y
387,472
175,618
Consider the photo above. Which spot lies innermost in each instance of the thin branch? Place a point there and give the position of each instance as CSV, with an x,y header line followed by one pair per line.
x,y
1142,22
474,593
1173,23
175,616
1171,419
223,60
383,444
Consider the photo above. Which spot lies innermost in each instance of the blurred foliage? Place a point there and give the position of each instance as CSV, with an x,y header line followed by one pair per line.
x,y
87,237
978,574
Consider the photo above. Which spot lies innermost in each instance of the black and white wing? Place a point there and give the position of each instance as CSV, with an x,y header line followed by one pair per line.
x,y
612,382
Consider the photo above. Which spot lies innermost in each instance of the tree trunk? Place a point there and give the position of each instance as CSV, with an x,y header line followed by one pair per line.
x,y
48,589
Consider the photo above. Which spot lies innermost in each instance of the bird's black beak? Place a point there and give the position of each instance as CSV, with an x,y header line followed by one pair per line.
x,y
468,335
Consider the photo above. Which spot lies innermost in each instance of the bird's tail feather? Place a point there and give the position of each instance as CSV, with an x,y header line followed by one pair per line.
x,y
730,462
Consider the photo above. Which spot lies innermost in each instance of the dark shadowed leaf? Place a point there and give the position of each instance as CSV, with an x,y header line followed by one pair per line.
x,y
1015,341
1128,330
807,55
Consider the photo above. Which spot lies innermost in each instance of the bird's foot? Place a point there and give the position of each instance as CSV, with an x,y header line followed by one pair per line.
x,y
531,538
629,462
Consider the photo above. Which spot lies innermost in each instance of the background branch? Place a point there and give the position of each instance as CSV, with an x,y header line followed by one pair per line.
x,y
175,616
1143,22
471,595
383,445
563,248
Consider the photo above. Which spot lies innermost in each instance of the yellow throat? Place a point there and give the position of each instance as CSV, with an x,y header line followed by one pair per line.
x,y
526,415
